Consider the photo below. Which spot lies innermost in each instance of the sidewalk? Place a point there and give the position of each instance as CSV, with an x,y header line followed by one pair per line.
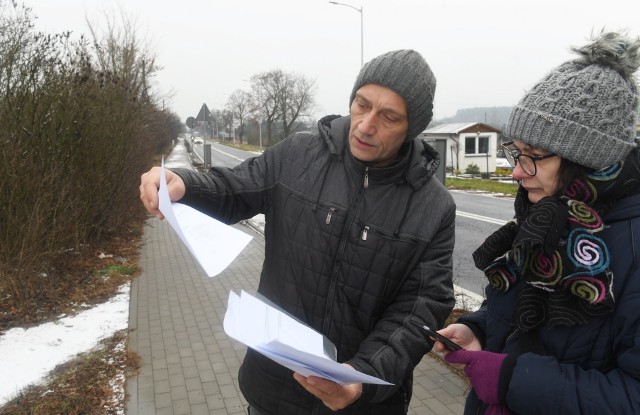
x,y
189,364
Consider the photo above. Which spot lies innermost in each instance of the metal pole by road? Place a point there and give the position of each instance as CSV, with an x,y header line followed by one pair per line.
x,y
359,10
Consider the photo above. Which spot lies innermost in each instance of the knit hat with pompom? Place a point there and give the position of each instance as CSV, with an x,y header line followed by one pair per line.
x,y
585,110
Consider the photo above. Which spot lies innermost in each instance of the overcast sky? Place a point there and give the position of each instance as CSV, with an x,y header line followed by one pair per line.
x,y
483,53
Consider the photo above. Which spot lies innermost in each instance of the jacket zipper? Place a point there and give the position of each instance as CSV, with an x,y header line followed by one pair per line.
x,y
328,220
349,220
366,184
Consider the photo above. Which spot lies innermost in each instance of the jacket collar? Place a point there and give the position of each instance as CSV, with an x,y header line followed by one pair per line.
x,y
416,164
624,209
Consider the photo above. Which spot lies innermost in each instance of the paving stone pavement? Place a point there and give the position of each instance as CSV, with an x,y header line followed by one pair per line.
x,y
189,364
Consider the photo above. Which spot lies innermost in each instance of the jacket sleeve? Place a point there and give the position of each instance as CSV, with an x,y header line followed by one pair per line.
x,y
477,322
397,343
571,389
233,194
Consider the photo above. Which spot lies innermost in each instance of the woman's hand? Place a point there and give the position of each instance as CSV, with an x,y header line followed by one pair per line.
x,y
459,334
484,371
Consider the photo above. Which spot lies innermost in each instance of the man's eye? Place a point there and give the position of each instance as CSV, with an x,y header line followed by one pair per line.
x,y
391,118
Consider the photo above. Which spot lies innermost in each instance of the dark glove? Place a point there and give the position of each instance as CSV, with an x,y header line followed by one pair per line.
x,y
484,372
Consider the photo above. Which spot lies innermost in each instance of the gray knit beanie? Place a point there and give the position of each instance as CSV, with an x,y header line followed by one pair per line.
x,y
407,74
585,110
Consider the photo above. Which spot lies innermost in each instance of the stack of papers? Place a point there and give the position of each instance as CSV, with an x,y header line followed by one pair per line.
x,y
284,340
213,244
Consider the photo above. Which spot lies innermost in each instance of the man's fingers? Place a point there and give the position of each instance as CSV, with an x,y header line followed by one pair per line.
x,y
149,196
317,386
334,396
149,183
322,384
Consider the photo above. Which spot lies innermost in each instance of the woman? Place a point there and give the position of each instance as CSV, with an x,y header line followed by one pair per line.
x,y
559,332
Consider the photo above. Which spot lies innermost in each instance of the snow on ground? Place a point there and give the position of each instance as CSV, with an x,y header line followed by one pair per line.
x,y
28,355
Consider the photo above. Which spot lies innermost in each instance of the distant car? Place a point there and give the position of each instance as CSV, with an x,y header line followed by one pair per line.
x,y
198,141
502,163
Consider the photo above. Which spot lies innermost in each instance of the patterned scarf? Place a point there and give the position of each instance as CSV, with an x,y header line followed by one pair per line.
x,y
555,246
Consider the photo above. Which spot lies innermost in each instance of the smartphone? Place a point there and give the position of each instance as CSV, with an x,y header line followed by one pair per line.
x,y
451,345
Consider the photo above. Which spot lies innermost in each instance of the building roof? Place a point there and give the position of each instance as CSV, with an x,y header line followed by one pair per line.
x,y
457,128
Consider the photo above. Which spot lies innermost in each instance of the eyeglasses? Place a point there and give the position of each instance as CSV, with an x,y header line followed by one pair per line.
x,y
528,163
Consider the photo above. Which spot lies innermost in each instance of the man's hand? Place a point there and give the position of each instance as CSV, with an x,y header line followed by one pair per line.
x,y
149,185
333,395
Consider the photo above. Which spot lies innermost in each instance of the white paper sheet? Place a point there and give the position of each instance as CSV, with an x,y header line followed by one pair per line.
x,y
213,244
284,340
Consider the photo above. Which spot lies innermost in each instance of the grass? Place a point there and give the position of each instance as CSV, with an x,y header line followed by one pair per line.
x,y
92,276
113,270
490,186
243,146
92,383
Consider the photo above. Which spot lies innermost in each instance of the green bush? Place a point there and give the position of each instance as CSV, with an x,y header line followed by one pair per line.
x,y
472,169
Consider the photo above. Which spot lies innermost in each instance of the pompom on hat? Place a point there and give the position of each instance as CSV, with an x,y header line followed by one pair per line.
x,y
585,110
406,73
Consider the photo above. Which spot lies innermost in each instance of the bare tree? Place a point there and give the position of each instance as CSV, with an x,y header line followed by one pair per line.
x,y
227,122
240,105
264,92
296,101
282,97
122,56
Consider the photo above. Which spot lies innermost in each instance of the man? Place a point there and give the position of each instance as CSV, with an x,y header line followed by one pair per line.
x,y
358,239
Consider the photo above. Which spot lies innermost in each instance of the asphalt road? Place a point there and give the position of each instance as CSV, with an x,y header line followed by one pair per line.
x,y
478,216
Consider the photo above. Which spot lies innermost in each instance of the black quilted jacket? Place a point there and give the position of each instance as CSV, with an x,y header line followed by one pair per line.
x,y
354,252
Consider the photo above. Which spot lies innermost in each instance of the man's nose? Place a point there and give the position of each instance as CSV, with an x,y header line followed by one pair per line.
x,y
368,124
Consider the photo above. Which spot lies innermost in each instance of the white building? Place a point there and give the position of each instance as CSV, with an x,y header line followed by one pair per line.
x,y
467,143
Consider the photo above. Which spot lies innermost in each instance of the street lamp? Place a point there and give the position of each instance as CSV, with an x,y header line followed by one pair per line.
x,y
361,28
259,122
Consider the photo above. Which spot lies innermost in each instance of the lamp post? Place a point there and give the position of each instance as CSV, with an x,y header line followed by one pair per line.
x,y
260,132
359,10
487,175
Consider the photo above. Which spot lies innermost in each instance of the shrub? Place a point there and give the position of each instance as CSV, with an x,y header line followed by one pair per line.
x,y
472,169
78,129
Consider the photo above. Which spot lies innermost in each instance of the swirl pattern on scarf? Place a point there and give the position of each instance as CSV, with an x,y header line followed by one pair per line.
x,y
556,248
